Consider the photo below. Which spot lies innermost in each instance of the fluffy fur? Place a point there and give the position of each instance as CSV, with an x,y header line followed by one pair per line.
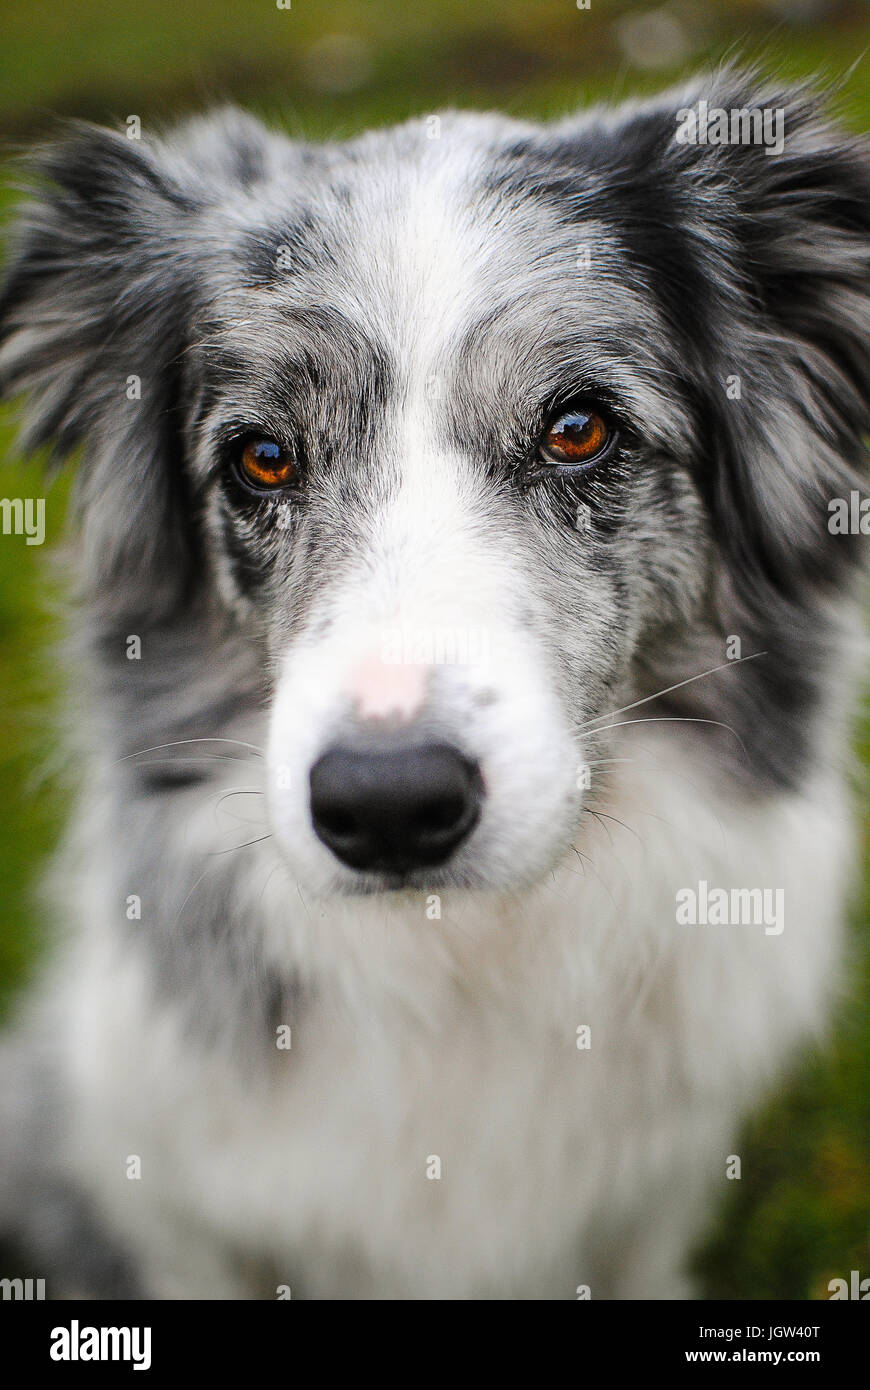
x,y
406,310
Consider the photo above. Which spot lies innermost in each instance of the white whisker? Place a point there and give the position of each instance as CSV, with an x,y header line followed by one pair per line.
x,y
258,841
184,742
238,791
673,719
738,661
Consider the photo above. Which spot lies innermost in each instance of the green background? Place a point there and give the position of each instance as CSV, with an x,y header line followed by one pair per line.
x,y
801,1213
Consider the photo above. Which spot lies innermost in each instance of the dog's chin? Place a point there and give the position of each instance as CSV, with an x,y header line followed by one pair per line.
x,y
413,882
352,883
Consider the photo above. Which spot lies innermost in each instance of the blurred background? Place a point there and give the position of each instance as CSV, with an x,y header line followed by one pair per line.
x,y
800,1215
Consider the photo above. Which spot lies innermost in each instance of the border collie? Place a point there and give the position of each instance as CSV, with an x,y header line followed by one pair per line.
x,y
467,661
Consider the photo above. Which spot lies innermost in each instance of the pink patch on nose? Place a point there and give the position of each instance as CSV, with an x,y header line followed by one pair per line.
x,y
385,691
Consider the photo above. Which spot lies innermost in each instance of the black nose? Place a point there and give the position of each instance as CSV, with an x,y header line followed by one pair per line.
x,y
394,810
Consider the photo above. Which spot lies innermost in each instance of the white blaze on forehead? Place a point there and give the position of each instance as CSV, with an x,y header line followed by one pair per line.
x,y
439,253
438,259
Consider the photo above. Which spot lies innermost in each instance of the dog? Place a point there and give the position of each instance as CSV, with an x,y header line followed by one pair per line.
x,y
466,657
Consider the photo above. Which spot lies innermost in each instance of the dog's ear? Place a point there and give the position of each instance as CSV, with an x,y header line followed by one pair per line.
x,y
781,231
796,437
92,321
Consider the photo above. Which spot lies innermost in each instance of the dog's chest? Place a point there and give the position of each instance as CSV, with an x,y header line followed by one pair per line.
x,y
405,1163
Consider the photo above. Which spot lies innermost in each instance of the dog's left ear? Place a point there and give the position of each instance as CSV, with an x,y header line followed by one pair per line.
x,y
778,220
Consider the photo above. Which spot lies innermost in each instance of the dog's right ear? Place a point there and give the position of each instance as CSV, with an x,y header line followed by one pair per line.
x,y
93,314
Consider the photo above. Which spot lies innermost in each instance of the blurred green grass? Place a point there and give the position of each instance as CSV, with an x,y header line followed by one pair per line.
x,y
801,1213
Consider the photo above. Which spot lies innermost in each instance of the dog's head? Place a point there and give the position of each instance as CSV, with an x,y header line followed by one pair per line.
x,y
472,431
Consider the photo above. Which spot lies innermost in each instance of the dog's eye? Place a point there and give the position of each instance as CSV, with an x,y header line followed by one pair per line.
x,y
266,465
577,436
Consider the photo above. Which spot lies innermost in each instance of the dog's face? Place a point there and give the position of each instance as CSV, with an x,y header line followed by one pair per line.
x,y
441,470
475,431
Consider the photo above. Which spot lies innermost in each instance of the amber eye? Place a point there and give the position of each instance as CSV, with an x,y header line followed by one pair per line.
x,y
576,437
265,465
